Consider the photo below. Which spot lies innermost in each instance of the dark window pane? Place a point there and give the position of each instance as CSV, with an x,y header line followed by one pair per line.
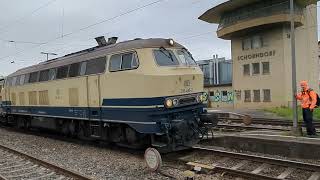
x,y
33,77
256,68
265,68
115,63
256,95
52,74
96,66
44,75
74,70
246,69
247,96
18,81
266,95
134,61
26,80
165,58
126,61
83,68
62,72
22,79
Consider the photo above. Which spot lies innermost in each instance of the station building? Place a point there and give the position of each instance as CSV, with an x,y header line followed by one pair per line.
x,y
259,31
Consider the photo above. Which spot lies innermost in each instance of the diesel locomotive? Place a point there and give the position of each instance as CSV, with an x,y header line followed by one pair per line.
x,y
136,93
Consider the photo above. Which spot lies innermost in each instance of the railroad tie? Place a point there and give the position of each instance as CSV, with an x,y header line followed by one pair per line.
x,y
220,161
240,164
286,173
315,176
260,168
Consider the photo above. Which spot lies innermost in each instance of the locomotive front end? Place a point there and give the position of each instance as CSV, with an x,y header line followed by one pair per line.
x,y
184,120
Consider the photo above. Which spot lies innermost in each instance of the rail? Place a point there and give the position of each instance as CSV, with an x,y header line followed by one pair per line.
x,y
25,159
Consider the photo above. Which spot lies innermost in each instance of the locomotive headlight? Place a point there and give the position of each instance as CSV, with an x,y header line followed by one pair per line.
x,y
175,102
171,42
168,103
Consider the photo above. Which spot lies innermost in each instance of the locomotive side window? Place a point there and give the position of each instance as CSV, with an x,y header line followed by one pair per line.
x,y
83,68
165,57
52,74
14,79
26,80
96,66
22,79
125,61
44,75
18,81
74,70
115,63
33,77
62,72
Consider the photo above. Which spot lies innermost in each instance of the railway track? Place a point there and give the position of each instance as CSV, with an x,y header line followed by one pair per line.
x,y
18,165
266,121
260,167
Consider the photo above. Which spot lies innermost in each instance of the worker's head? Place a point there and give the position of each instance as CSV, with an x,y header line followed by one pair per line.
x,y
304,85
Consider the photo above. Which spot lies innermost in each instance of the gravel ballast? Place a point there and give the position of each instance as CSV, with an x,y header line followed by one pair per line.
x,y
92,161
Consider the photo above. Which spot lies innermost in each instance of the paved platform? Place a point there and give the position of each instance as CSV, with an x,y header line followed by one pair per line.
x,y
269,142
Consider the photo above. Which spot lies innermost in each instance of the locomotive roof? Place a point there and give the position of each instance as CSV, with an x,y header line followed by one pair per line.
x,y
96,52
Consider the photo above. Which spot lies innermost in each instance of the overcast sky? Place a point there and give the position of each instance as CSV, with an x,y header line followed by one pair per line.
x,y
71,25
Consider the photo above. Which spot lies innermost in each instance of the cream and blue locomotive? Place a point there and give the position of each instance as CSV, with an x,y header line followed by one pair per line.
x,y
135,93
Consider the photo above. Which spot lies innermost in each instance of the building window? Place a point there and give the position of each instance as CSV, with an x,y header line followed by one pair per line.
x,y
256,42
266,95
246,44
211,93
265,68
255,68
52,74
256,95
247,96
246,70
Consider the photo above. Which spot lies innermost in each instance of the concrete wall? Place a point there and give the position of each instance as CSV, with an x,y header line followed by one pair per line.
x,y
220,96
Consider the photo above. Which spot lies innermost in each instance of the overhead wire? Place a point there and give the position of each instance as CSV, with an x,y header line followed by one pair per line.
x,y
89,26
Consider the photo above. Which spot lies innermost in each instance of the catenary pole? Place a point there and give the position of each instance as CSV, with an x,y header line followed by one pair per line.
x,y
294,78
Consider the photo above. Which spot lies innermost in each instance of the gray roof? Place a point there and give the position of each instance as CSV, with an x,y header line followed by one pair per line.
x,y
97,52
213,15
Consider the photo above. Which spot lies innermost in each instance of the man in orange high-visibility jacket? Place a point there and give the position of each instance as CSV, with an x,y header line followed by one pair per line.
x,y
308,99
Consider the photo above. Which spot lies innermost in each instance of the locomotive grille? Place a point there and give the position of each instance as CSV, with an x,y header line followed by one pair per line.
x,y
187,100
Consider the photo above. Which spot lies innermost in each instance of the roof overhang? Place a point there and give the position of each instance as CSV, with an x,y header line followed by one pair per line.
x,y
213,15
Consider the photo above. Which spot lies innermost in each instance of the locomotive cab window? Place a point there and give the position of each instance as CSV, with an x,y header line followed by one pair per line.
x,y
125,61
186,57
165,57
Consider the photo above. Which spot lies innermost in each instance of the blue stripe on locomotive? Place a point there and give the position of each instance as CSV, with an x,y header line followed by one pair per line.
x,y
144,120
